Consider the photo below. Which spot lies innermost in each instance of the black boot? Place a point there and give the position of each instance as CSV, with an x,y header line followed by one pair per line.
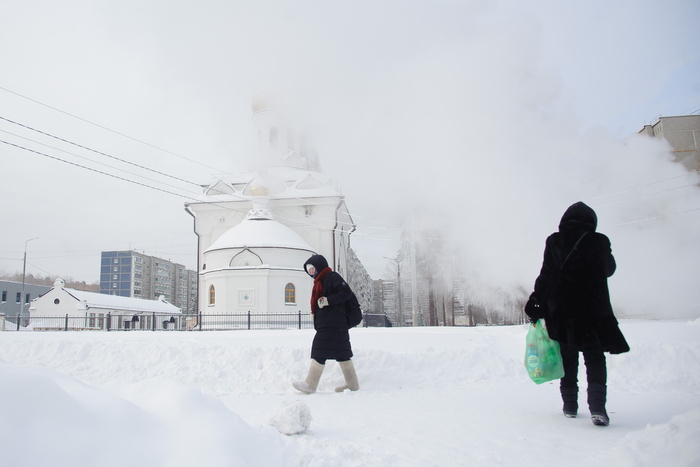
x,y
597,394
570,397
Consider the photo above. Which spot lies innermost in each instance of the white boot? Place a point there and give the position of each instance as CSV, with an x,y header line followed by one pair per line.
x,y
350,377
309,386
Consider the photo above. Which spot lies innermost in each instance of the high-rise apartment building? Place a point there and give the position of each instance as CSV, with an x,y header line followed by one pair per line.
x,y
683,134
132,274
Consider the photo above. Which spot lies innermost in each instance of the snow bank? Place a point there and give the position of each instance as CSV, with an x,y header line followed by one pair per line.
x,y
429,396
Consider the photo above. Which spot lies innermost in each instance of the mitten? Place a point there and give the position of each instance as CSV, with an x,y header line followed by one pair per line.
x,y
533,310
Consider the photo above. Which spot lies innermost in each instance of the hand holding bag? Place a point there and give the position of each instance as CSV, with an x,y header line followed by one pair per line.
x,y
542,355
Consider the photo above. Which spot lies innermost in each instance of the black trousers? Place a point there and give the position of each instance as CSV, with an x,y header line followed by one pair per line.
x,y
596,370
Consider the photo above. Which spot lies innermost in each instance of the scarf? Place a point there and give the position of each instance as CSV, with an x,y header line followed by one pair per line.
x,y
317,291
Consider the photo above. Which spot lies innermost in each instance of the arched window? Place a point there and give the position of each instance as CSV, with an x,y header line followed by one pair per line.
x,y
290,295
212,295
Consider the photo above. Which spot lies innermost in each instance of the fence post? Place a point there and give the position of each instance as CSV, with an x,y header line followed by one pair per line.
x,y
18,322
299,319
66,329
199,321
248,320
153,328
109,321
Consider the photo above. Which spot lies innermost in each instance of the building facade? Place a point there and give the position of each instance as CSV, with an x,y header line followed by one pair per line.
x,y
11,293
132,274
683,134
89,310
285,196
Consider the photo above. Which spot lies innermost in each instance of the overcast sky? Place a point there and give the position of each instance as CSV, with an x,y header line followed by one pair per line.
x,y
493,116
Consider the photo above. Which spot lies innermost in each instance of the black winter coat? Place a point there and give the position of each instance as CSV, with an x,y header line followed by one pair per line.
x,y
332,339
573,293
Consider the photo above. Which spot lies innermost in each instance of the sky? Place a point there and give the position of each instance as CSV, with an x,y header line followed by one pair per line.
x,y
428,396
489,116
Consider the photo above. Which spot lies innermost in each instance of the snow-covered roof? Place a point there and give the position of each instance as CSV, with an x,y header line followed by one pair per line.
x,y
117,303
282,182
260,232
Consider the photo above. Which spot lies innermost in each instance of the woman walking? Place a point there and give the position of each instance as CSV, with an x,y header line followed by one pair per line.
x,y
571,295
332,340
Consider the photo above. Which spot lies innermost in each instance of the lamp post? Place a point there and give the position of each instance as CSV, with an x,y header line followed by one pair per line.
x,y
24,274
398,285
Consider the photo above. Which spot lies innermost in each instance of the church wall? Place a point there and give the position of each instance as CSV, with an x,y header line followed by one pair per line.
x,y
258,290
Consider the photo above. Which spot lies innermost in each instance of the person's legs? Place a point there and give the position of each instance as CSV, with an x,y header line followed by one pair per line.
x,y
568,385
350,376
309,386
597,375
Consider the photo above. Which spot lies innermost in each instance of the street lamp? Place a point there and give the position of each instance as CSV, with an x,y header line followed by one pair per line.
x,y
24,274
398,285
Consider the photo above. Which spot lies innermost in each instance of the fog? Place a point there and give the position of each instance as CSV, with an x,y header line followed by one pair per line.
x,y
487,117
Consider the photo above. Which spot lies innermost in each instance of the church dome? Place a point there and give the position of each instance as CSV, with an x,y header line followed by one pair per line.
x,y
261,102
260,232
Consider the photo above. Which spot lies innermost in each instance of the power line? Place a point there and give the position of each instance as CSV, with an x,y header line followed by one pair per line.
x,y
110,130
97,152
662,216
82,157
94,170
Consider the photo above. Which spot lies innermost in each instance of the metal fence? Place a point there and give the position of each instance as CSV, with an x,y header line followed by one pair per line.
x,y
158,322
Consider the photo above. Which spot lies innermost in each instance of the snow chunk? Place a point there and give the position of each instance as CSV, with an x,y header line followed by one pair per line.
x,y
291,418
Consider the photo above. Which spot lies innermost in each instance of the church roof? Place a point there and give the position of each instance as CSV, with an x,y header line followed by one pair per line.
x,y
260,232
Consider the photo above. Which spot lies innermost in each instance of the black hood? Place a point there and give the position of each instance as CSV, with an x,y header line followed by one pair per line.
x,y
318,262
579,217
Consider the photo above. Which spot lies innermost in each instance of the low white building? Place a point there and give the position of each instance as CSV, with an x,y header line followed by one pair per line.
x,y
63,307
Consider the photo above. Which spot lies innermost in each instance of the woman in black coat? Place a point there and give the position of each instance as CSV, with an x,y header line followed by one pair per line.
x,y
332,340
571,295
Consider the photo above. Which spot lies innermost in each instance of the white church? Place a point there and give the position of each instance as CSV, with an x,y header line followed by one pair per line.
x,y
256,229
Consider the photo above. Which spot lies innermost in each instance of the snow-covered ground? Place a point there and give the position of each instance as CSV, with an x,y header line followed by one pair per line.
x,y
429,396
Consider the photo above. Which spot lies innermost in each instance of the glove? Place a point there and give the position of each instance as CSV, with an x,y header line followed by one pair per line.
x,y
533,310
323,301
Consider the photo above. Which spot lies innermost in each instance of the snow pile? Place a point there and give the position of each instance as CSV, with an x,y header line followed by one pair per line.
x,y
292,418
429,396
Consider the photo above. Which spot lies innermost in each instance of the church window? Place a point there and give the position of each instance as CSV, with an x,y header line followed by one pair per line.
x,y
290,293
212,295
273,137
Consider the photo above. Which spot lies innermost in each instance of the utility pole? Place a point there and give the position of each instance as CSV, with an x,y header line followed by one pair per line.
x,y
24,274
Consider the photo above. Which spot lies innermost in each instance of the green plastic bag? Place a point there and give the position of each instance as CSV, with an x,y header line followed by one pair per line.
x,y
542,356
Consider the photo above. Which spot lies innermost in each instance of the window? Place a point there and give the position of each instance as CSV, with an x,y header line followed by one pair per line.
x,y
116,260
19,297
56,301
115,277
27,298
290,293
4,296
212,295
